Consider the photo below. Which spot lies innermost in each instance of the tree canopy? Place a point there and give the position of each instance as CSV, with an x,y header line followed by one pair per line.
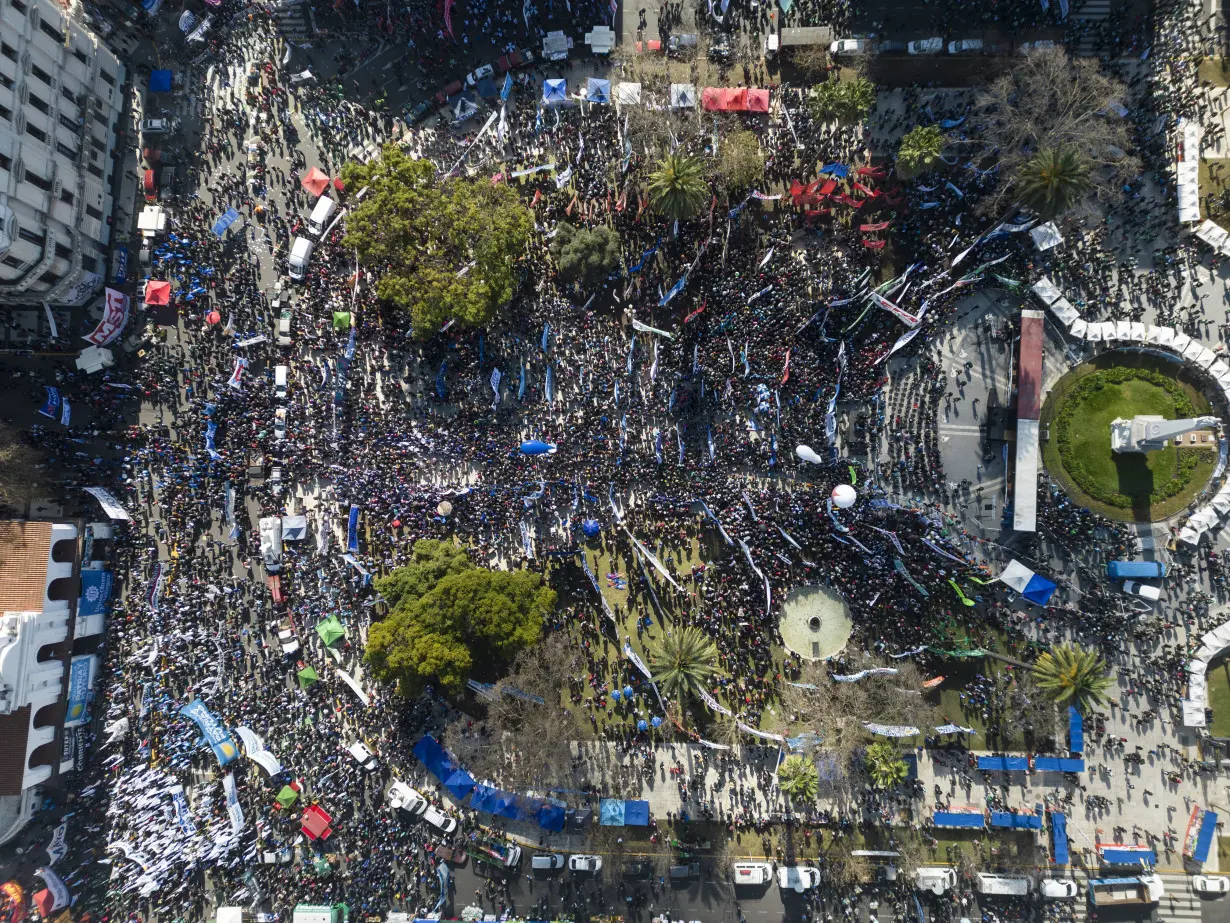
x,y
799,779
585,255
1053,180
740,162
446,614
683,662
677,187
1068,675
885,765
920,148
443,248
844,100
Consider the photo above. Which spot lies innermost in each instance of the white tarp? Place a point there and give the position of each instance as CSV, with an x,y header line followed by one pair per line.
x,y
1162,336
1214,235
1046,236
683,96
1123,330
1192,351
1064,312
294,528
628,94
1180,342
1188,184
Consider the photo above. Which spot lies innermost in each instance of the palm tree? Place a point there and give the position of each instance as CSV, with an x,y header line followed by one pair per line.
x,y
683,663
677,187
1053,180
1070,676
799,779
885,765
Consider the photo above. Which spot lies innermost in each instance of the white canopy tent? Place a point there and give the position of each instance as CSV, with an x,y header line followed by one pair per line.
x,y
1046,236
1046,291
683,96
1064,312
628,94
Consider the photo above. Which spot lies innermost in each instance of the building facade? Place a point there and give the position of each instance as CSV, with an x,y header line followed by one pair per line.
x,y
61,97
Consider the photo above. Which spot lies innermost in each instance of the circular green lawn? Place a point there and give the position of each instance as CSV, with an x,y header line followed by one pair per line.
x,y
1132,486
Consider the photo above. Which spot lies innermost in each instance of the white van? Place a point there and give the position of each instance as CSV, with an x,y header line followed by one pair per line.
x,y
362,755
280,375
300,254
271,543
1143,590
325,207
1058,889
547,863
753,873
798,878
402,797
441,821
1003,885
936,879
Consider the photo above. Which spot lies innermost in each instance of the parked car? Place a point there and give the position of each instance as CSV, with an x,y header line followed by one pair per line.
x,y
891,47
684,872
279,425
719,50
450,89
965,46
682,43
925,46
798,878
420,112
401,796
547,863
850,46
438,819
1143,590
478,74
512,61
1058,889
638,869
1040,45
591,864
1211,884
159,126
752,873
283,335
363,755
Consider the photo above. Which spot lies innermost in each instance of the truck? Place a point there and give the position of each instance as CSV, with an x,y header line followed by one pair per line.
x,y
493,852
1003,885
1135,570
936,879
1117,892
319,913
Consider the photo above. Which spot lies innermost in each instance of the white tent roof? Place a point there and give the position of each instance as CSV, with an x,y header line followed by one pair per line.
x,y
1218,369
1180,342
1045,289
1206,358
1094,333
294,528
628,94
1213,234
1046,236
1192,350
1064,311
1123,330
1025,496
1079,328
1137,333
1188,184
683,96
1162,336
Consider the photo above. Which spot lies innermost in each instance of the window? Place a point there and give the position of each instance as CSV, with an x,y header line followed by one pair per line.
x,y
39,104
89,263
40,74
109,79
33,237
6,81
48,28
35,180
36,133
68,94
8,51
50,277
81,56
6,162
99,146
95,171
66,150
68,123
63,252
17,5
6,113
93,212
13,261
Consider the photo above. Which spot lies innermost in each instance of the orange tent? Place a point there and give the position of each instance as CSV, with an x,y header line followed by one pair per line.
x,y
157,292
315,181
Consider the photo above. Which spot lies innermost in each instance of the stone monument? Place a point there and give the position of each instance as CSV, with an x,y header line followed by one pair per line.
x,y
1149,432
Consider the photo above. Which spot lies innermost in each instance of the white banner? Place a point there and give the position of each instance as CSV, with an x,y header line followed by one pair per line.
x,y
57,849
87,285
714,704
908,318
115,316
358,690
59,890
51,321
763,735
107,501
232,802
891,730
653,560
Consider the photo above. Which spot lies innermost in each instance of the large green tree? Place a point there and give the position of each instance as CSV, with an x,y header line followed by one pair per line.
x,y
920,149
799,779
683,663
443,248
677,188
585,255
1053,180
843,100
740,161
447,614
885,765
1068,675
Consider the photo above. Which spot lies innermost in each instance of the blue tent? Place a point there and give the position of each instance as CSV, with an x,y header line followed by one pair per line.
x,y
551,816
950,819
1076,730
614,812
636,813
1208,829
598,91
1129,855
1059,836
591,527
1003,763
537,447
839,170
486,88
441,765
1038,590
229,217
1016,821
554,91
160,81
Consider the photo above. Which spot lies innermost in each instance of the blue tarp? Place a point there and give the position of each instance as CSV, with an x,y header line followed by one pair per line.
x,y
598,90
1058,764
438,762
614,812
1059,838
840,170
160,81
229,217
1004,763
554,91
1016,821
486,88
1129,856
1208,829
551,817
1076,731
948,819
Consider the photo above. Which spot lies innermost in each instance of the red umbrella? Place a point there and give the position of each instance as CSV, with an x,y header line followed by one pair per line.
x,y
157,292
213,317
338,184
316,181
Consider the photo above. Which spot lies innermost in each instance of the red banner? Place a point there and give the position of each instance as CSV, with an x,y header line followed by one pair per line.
x,y
115,316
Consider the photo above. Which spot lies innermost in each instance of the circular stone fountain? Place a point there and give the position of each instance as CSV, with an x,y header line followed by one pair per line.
x,y
815,622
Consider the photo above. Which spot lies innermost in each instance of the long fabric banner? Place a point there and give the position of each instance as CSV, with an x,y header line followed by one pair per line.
x,y
233,810
763,735
216,735
658,566
352,529
59,890
909,319
183,816
714,704
115,316
355,687
863,674
640,665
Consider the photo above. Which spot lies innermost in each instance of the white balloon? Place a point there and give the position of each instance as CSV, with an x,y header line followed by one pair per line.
x,y
844,496
805,452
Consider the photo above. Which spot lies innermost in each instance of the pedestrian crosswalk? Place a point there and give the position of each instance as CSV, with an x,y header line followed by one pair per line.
x,y
1179,904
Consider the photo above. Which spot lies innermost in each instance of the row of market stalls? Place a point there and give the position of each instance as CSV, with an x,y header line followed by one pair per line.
x,y
682,95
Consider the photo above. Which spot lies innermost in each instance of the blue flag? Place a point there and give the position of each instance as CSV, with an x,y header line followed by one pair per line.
x,y
352,530
441,386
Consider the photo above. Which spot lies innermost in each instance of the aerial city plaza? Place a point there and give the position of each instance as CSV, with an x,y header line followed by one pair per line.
x,y
742,461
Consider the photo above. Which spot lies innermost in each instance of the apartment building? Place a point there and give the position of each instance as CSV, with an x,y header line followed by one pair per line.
x,y
60,101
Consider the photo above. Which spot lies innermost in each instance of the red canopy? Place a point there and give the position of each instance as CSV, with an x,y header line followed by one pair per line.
x,y
157,292
315,823
148,181
734,99
873,227
315,181
757,100
338,184
45,901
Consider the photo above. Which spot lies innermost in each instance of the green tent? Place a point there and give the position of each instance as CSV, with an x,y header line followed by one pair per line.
x,y
330,631
287,796
307,676
342,320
